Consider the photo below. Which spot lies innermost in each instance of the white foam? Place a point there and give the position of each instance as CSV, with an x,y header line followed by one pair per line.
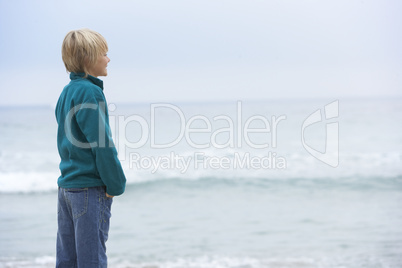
x,y
26,182
218,262
39,262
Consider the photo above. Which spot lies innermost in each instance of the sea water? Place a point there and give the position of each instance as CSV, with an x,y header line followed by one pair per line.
x,y
230,184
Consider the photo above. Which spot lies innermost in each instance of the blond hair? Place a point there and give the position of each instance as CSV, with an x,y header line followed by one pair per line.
x,y
81,49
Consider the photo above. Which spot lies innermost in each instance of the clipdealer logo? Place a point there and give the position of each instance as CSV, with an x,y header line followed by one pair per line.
x,y
237,129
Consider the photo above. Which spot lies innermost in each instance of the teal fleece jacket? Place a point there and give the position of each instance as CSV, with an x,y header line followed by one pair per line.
x,y
87,152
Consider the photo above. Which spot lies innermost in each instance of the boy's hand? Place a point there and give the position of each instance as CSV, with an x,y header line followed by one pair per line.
x,y
109,196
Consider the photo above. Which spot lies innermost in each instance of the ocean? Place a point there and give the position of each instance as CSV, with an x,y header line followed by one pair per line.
x,y
313,183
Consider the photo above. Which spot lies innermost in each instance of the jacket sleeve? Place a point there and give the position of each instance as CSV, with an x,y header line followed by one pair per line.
x,y
92,118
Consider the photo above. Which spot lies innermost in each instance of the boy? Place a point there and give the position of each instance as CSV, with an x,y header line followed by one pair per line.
x,y
91,173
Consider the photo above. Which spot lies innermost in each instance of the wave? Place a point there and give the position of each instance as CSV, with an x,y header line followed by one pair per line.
x,y
35,182
40,174
28,182
223,262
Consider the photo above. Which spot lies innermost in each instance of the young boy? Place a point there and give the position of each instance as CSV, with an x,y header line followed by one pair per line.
x,y
91,173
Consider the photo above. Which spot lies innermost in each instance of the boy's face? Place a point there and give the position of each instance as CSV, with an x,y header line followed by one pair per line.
x,y
99,69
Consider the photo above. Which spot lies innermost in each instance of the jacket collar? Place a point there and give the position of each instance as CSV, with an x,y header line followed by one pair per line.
x,y
93,79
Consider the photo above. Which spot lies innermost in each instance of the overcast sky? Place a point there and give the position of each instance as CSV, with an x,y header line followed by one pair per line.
x,y
183,50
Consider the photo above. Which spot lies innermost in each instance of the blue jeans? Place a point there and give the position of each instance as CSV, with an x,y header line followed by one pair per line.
x,y
83,216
